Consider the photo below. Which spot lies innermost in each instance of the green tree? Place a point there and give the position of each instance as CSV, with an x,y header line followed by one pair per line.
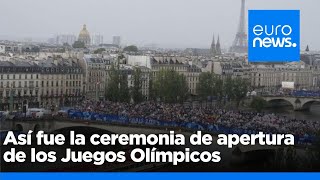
x,y
117,89
99,51
258,103
228,88
240,89
170,86
66,45
209,85
205,85
61,50
131,48
136,92
152,93
112,91
124,93
219,88
78,44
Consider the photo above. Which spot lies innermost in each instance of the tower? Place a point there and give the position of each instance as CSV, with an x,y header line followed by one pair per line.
x,y
84,36
218,48
213,46
240,44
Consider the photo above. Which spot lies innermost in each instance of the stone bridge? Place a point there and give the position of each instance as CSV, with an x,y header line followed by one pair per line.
x,y
298,103
51,125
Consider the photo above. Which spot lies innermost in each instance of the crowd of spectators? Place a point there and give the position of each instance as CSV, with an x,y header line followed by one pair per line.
x,y
265,122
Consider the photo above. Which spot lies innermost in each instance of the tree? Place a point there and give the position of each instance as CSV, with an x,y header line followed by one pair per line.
x,y
170,86
152,93
258,103
205,85
131,48
219,88
136,92
235,89
113,85
124,94
240,89
61,50
99,51
66,45
209,85
228,88
117,89
78,44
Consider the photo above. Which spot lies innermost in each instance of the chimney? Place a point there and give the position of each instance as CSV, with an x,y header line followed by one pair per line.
x,y
55,61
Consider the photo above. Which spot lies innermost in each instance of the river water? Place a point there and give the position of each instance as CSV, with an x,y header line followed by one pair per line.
x,y
313,114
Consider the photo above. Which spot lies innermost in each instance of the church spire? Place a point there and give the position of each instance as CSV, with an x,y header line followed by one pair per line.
x,y
307,49
218,47
213,46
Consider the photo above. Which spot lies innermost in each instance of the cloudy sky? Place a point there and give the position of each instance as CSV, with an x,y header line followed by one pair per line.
x,y
168,23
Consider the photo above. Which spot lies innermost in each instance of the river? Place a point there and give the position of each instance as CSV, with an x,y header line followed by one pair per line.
x,y
313,114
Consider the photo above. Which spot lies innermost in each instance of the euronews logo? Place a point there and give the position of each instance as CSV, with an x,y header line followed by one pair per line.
x,y
274,36
272,40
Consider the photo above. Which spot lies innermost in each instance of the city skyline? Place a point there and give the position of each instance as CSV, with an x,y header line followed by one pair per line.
x,y
174,24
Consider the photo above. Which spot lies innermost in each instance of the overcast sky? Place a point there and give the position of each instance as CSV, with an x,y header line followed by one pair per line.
x,y
168,23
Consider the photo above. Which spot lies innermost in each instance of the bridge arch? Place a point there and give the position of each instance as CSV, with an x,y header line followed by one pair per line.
x,y
276,102
298,103
307,105
36,128
82,130
18,127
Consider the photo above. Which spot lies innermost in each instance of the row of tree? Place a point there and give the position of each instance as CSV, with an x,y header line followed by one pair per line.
x,y
118,89
171,87
213,86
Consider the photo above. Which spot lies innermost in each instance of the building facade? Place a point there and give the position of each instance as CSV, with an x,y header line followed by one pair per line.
x,y
47,84
270,79
95,75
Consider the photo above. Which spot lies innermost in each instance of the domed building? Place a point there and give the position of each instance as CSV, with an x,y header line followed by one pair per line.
x,y
84,36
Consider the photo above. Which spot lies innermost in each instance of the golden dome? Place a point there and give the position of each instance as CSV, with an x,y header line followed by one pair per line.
x,y
84,31
84,35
